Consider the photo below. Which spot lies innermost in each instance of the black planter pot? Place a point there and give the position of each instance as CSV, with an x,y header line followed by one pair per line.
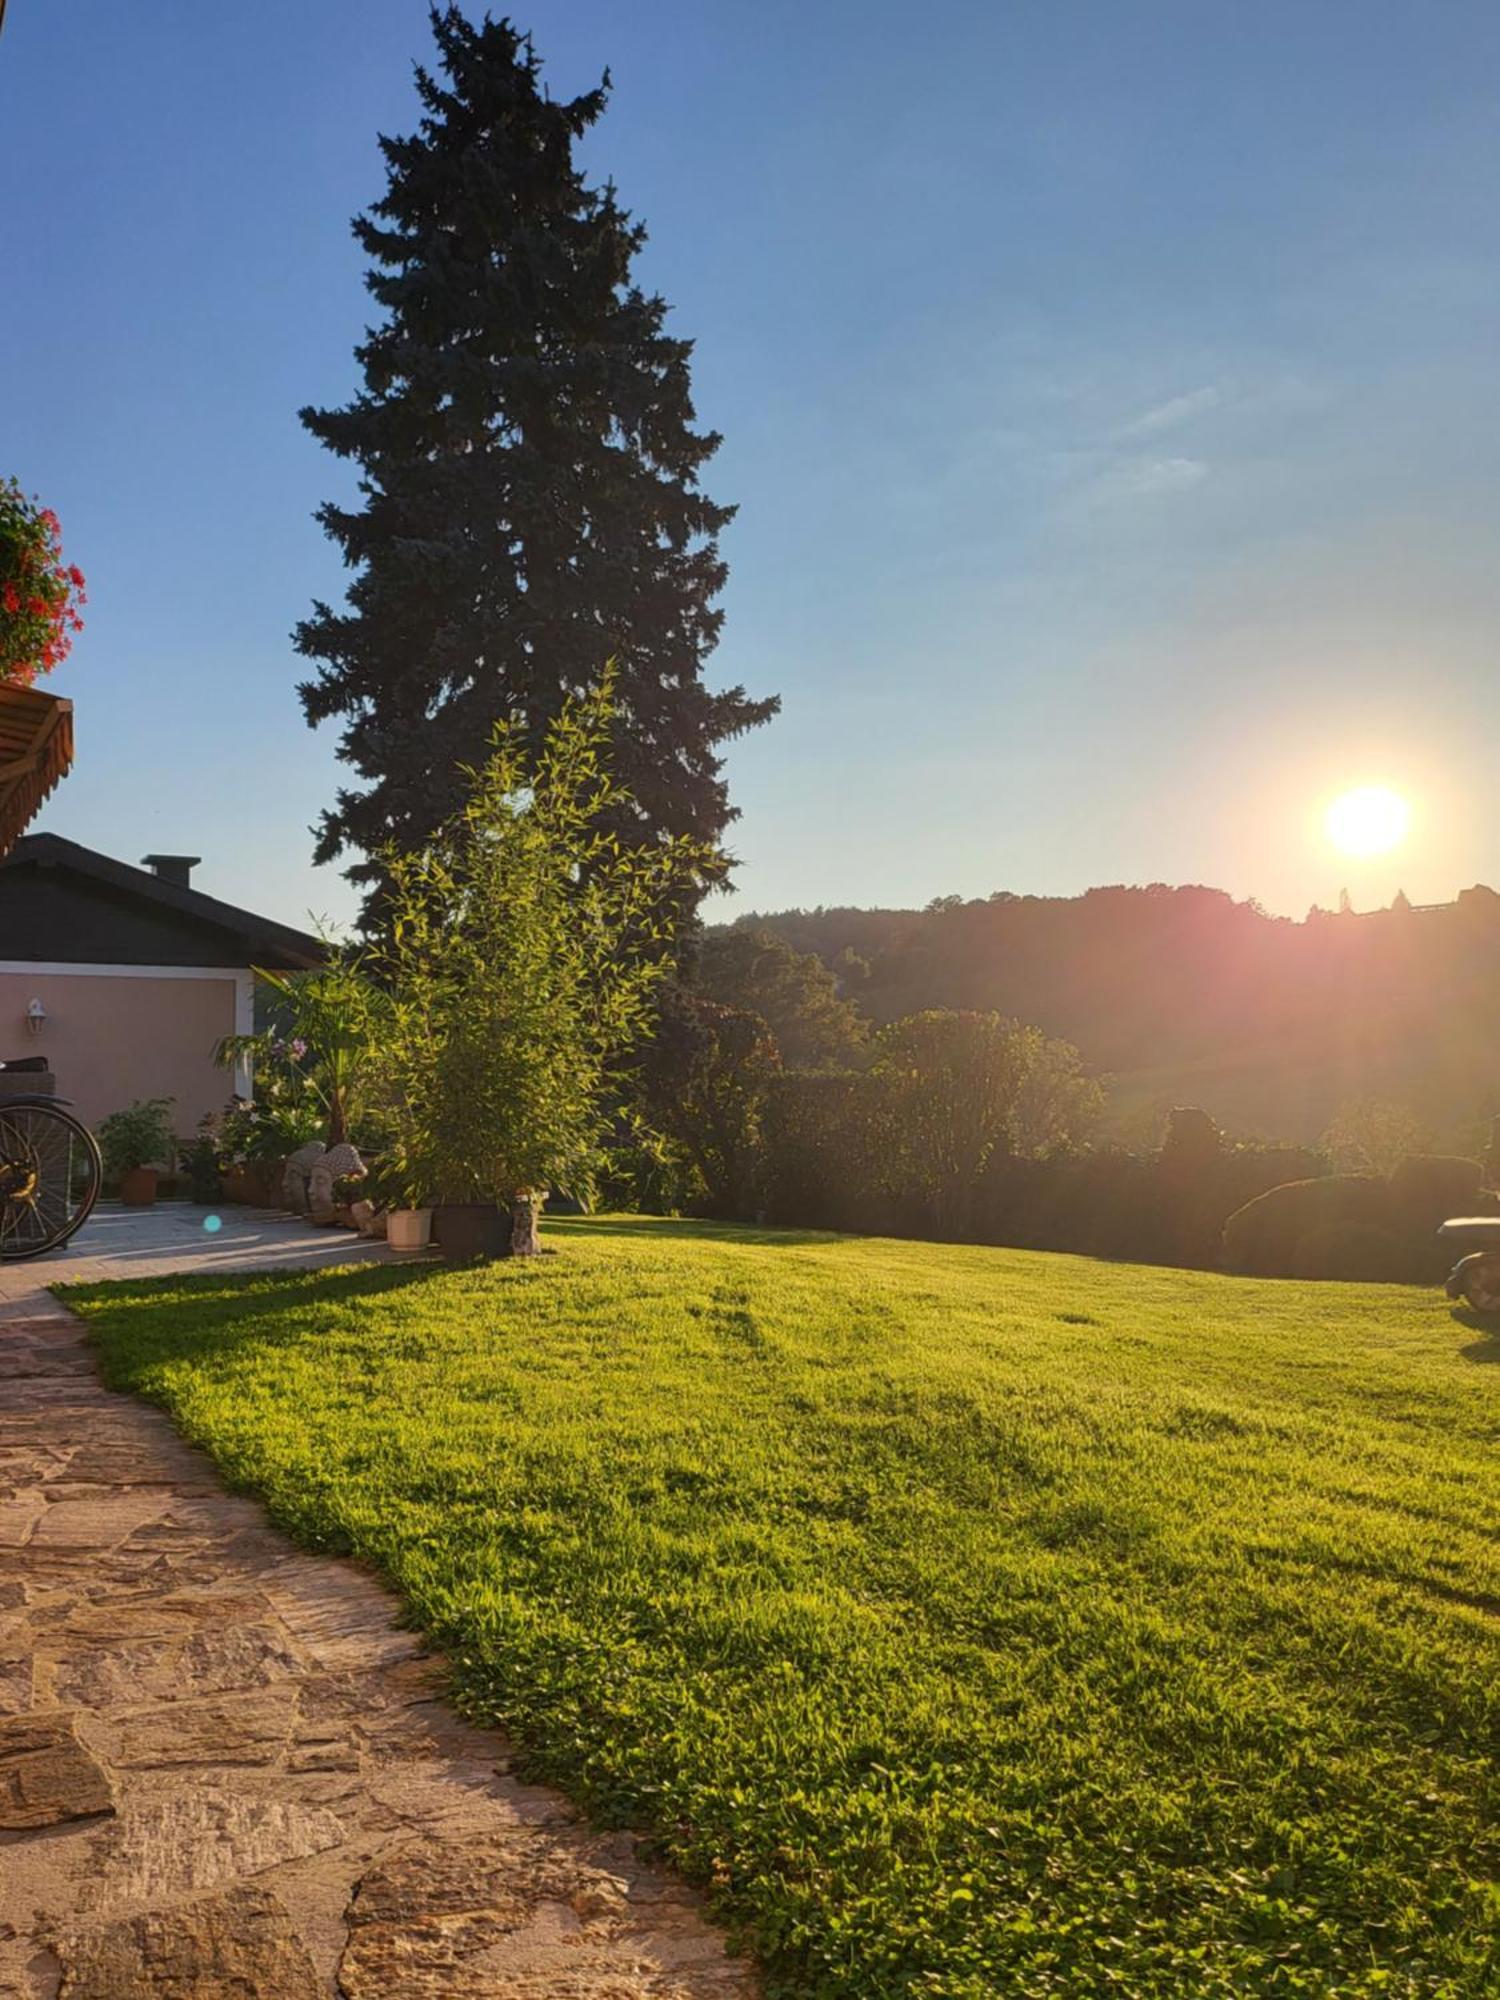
x,y
468,1231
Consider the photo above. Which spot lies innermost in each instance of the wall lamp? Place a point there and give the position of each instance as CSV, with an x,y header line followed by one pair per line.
x,y
36,1015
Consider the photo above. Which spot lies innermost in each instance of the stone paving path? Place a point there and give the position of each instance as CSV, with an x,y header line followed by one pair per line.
x,y
224,1771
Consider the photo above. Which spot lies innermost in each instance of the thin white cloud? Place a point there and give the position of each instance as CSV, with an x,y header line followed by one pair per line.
x,y
1165,475
1126,483
1170,415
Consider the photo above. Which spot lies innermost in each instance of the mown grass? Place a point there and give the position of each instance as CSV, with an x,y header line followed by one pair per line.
x,y
972,1622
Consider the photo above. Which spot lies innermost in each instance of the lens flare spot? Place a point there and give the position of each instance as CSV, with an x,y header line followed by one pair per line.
x,y
213,1224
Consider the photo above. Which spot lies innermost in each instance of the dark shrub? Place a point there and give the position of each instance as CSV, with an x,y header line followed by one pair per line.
x,y
1192,1143
1187,1223
1427,1188
822,1171
1264,1237
1361,1250
1095,1204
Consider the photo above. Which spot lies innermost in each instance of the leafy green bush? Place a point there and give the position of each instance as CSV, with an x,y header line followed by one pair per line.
x,y
823,1166
1427,1188
701,1092
199,1160
321,1055
140,1136
524,945
1265,1237
1352,1250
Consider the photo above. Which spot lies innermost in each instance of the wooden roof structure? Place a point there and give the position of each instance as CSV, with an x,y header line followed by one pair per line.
x,y
36,751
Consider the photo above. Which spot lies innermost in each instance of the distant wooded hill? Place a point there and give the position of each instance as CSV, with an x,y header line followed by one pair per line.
x,y
1186,996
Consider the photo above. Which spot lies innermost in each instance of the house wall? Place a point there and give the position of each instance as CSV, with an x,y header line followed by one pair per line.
x,y
116,1033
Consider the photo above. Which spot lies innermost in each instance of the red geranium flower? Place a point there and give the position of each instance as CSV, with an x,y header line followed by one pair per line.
x,y
40,596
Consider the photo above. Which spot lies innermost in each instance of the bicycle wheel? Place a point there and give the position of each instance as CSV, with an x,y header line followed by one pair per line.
x,y
49,1178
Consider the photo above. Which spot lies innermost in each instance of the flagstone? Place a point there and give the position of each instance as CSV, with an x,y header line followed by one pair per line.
x,y
225,1947
46,1773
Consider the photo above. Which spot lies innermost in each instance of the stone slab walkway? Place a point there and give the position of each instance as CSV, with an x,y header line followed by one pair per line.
x,y
223,1769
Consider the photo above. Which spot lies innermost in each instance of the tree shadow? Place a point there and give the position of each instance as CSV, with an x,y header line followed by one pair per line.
x,y
1487,1325
203,1312
692,1229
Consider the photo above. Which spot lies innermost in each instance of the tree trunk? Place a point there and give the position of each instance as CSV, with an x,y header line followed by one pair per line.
x,y
525,1225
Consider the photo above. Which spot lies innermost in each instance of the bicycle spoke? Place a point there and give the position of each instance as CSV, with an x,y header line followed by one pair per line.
x,y
49,1178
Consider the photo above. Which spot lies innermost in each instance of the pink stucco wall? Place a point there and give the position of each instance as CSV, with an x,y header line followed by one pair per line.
x,y
113,1039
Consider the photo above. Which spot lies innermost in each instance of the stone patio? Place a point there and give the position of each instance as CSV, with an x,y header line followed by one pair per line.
x,y
223,1769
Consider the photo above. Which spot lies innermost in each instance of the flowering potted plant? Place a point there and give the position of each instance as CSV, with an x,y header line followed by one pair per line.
x,y
40,595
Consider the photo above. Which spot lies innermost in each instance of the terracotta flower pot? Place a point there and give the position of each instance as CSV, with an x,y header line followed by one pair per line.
x,y
138,1187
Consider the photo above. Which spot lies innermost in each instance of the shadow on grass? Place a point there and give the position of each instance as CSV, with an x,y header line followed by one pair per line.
x,y
131,1321
1487,1326
690,1229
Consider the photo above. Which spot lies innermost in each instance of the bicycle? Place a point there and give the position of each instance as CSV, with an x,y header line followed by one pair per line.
x,y
50,1170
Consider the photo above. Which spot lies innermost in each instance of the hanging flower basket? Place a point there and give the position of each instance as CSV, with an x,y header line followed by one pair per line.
x,y
41,596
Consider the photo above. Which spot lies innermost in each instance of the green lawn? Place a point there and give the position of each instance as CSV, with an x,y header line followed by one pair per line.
x,y
973,1622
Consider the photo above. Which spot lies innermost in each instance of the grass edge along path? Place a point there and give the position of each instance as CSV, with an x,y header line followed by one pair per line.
x,y
968,1621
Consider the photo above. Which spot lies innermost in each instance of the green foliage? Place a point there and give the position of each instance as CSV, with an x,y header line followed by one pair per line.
x,y
286,1112
1367,1135
330,1023
525,943
969,1623
1186,996
1358,1225
1265,1237
824,1162
908,1136
199,1160
530,468
1192,1143
793,992
1427,1188
141,1136
829,1163
952,1090
702,1087
1369,1251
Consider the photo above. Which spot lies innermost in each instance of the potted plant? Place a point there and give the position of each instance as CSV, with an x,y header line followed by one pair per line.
x,y
259,1134
522,949
133,1144
408,1219
199,1160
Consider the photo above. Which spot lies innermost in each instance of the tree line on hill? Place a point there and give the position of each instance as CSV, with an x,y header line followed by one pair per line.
x,y
767,1094
1184,995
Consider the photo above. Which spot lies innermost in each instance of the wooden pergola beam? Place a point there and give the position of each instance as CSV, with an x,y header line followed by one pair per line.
x,y
36,752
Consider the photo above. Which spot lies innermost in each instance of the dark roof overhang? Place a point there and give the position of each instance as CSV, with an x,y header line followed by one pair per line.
x,y
276,946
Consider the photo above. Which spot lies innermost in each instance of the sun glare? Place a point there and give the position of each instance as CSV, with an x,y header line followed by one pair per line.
x,y
1372,819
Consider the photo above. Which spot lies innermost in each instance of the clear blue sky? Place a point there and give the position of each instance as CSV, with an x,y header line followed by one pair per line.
x,y
1111,395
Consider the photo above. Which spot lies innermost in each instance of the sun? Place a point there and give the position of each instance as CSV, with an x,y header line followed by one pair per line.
x,y
1371,819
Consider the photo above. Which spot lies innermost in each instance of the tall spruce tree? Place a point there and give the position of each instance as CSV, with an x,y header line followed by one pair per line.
x,y
529,469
